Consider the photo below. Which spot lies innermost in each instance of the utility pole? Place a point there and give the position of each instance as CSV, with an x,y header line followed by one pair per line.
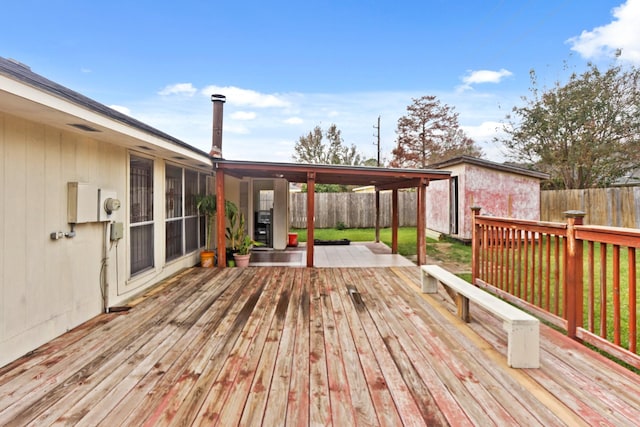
x,y
377,128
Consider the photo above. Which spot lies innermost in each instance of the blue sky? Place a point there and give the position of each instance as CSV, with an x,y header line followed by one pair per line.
x,y
286,67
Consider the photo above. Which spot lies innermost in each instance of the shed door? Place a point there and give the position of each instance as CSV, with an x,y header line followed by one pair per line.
x,y
453,205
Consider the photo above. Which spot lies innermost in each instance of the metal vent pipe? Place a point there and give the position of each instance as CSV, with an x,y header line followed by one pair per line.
x,y
216,140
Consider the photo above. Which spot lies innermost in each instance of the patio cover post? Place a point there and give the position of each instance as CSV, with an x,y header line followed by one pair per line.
x,y
421,222
220,219
377,215
311,207
395,220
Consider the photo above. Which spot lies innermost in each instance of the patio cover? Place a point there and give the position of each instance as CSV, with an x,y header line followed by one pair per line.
x,y
380,178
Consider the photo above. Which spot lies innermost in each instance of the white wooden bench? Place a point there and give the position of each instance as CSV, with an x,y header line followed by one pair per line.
x,y
523,330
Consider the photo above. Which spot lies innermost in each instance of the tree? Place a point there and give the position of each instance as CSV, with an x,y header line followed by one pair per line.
x,y
430,133
311,149
584,134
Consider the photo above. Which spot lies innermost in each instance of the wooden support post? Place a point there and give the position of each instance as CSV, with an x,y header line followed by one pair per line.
x,y
421,222
221,241
395,220
311,207
475,245
377,216
462,303
574,275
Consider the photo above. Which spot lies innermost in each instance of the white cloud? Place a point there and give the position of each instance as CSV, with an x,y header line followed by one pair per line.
x,y
243,115
178,89
483,76
121,109
620,35
486,76
272,134
293,121
484,134
247,97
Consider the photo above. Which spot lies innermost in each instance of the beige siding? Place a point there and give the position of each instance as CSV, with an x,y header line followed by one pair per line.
x,y
47,286
50,286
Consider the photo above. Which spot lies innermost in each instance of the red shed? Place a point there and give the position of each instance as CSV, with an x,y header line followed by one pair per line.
x,y
499,189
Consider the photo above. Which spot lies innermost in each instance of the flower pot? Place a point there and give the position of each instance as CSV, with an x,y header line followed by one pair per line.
x,y
242,260
207,259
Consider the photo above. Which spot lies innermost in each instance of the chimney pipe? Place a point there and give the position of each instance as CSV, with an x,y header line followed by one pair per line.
x,y
216,141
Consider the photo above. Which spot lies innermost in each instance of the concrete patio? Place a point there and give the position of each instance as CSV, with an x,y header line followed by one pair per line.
x,y
356,254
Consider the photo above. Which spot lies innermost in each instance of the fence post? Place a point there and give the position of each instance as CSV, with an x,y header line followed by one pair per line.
x,y
475,245
573,305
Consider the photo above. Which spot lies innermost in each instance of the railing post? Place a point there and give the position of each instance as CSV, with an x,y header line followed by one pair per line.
x,y
573,305
475,245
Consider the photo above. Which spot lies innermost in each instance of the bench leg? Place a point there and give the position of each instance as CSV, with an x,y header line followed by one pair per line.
x,y
462,303
523,347
429,284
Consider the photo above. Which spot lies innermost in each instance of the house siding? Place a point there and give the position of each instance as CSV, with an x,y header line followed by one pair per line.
x,y
49,286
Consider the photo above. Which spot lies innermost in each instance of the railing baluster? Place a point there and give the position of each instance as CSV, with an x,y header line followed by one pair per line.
x,y
557,277
631,254
603,290
547,289
519,266
592,287
513,262
540,258
532,294
616,294
525,268
485,240
510,251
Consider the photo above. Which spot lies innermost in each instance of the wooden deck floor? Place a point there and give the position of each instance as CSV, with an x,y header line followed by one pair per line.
x,y
296,346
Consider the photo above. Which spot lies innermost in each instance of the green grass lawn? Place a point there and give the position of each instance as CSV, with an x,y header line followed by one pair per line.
x,y
406,236
456,251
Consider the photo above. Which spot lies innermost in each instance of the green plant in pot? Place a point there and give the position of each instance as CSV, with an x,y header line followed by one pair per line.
x,y
240,243
206,205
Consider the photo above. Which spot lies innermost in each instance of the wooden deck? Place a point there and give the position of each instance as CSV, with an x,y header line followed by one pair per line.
x,y
296,346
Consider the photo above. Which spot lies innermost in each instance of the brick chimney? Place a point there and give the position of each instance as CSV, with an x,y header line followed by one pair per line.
x,y
216,141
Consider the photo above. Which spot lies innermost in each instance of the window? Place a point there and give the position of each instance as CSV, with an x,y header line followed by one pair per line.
x,y
202,186
266,200
191,211
184,226
141,214
173,214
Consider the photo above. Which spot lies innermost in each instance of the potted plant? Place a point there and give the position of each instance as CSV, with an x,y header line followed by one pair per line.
x,y
243,253
240,243
206,205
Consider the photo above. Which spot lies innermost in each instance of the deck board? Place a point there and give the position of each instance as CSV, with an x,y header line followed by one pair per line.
x,y
300,346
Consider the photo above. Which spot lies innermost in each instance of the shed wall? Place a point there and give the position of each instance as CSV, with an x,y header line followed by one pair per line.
x,y
496,192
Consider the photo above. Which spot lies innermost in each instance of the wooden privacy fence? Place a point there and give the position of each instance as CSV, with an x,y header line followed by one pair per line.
x,y
353,210
615,207
581,278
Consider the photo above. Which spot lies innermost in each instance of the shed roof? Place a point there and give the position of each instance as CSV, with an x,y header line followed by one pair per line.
x,y
490,165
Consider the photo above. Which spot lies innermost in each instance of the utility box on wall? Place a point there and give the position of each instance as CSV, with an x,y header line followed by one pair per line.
x,y
82,199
